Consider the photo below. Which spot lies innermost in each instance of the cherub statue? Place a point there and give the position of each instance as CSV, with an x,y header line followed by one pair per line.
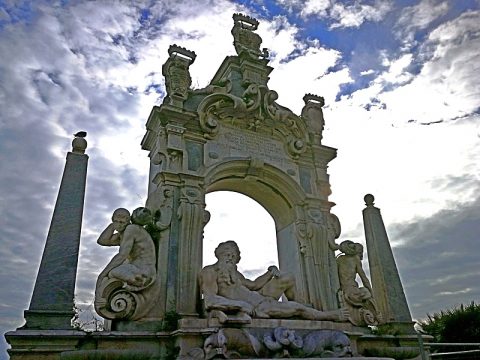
x,y
135,262
358,299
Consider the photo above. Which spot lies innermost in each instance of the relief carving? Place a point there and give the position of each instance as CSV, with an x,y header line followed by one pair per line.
x,y
281,342
256,110
245,41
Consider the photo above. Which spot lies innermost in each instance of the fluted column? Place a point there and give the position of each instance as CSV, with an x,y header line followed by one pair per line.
x,y
51,306
386,283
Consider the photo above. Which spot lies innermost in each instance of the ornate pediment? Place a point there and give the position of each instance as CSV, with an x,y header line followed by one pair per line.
x,y
255,110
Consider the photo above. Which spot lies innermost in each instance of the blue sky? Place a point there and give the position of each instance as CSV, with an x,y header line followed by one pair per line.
x,y
401,83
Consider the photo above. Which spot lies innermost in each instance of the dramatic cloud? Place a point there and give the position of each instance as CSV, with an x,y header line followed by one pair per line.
x,y
340,14
432,250
96,66
419,17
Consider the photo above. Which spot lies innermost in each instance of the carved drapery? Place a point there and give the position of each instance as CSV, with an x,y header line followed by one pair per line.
x,y
304,235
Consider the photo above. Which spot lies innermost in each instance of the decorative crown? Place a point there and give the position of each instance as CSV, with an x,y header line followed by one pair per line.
x,y
316,98
244,19
178,50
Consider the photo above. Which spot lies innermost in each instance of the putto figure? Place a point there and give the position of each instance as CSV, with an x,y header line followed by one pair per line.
x,y
135,262
226,291
359,300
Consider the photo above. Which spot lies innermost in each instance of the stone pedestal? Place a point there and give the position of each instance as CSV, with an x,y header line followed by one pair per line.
x,y
190,334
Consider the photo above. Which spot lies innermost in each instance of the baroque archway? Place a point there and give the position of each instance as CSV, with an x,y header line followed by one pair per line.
x,y
233,135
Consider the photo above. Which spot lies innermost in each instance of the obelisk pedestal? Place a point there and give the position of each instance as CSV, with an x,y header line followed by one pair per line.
x,y
51,306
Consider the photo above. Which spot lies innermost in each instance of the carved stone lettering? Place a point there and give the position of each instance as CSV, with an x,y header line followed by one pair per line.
x,y
235,143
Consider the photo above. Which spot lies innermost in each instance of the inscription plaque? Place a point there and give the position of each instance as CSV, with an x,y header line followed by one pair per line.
x,y
236,143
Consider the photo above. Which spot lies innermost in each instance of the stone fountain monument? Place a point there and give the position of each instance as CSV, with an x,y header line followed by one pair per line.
x,y
158,300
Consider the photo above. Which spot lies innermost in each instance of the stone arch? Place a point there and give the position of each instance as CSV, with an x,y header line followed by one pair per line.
x,y
264,183
233,135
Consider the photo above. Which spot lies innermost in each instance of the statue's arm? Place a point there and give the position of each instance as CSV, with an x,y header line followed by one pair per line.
x,y
165,219
108,238
262,280
125,249
363,276
332,244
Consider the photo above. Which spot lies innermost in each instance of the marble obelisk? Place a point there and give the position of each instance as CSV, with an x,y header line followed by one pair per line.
x,y
386,284
51,306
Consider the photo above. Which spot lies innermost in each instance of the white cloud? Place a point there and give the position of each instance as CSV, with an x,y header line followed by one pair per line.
x,y
340,14
308,74
410,158
317,7
367,72
419,17
356,14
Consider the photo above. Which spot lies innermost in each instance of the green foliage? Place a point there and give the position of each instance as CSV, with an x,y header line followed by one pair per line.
x,y
153,231
170,320
85,319
385,329
460,324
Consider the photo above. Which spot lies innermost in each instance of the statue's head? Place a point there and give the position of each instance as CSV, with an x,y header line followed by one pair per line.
x,y
141,216
120,219
349,247
228,251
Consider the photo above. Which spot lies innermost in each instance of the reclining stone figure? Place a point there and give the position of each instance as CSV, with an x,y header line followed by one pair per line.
x,y
225,291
